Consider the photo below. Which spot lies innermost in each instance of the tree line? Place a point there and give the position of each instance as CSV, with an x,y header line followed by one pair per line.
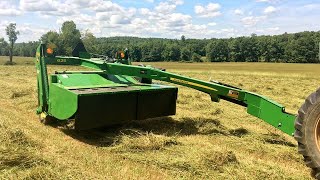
x,y
302,47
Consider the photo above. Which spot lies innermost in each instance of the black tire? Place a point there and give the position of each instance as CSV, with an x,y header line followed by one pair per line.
x,y
47,120
307,132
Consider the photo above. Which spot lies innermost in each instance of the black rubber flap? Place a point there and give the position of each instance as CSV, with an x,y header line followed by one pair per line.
x,y
105,109
157,103
100,110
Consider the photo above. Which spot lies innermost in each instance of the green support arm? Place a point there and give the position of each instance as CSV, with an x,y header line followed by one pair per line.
x,y
42,80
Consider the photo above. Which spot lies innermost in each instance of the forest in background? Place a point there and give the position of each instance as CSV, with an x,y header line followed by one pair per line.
x,y
302,47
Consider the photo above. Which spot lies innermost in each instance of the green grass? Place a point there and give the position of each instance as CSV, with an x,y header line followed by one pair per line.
x,y
205,140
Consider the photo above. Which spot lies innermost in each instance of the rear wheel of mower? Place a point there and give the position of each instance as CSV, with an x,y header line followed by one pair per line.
x,y
46,119
307,132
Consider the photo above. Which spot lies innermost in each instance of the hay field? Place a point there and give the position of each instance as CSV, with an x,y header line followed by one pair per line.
x,y
205,140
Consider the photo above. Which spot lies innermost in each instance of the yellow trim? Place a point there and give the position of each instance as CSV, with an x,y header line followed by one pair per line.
x,y
192,84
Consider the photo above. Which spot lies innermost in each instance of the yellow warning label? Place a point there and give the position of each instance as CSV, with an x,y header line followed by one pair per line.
x,y
234,94
192,84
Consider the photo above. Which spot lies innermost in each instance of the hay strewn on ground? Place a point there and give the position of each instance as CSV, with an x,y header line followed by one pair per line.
x,y
205,140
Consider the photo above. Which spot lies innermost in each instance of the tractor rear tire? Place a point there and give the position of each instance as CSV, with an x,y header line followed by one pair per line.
x,y
307,132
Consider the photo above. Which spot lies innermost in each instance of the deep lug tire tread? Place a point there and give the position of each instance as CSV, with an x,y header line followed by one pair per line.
x,y
304,148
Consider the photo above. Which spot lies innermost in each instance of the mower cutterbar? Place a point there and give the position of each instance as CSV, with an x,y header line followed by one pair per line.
x,y
111,94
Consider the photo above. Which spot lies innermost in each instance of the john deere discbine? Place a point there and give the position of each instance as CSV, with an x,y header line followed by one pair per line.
x,y
116,91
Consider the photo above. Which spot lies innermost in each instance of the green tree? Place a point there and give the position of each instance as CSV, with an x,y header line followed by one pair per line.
x,y
218,51
236,54
155,54
185,54
297,47
196,57
3,47
249,49
302,49
135,53
89,41
171,52
183,38
70,36
12,36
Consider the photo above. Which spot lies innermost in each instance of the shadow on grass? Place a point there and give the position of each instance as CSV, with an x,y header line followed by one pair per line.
x,y
273,138
109,136
9,63
166,126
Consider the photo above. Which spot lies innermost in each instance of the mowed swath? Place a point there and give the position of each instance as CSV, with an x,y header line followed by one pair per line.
x,y
205,140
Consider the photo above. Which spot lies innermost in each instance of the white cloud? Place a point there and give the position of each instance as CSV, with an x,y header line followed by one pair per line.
x,y
177,2
212,24
211,10
271,30
6,9
165,7
138,23
47,8
144,11
38,6
78,4
274,29
238,12
119,19
104,6
9,12
176,20
312,6
252,20
79,19
269,10
168,6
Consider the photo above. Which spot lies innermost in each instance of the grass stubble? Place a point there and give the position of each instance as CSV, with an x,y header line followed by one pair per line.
x,y
205,140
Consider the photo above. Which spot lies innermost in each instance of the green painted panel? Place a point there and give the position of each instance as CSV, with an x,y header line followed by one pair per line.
x,y
84,80
63,103
270,112
253,110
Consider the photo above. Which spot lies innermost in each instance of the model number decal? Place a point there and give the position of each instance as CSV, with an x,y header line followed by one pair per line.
x,y
61,60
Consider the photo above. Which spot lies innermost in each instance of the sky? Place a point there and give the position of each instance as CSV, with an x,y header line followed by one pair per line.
x,y
161,18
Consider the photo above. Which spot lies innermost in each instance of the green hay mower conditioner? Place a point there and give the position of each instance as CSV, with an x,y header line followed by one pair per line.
x,y
114,91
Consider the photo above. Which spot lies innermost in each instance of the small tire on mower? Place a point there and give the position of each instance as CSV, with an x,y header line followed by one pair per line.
x,y
307,132
47,120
